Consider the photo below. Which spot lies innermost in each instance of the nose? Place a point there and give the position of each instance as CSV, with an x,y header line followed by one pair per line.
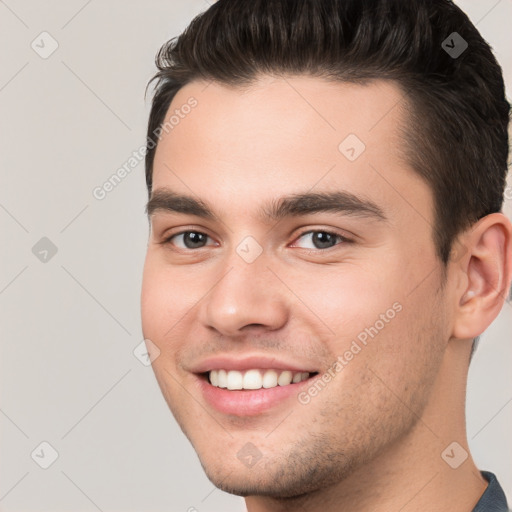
x,y
246,296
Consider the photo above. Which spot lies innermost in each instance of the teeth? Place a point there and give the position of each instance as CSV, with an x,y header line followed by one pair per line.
x,y
254,378
269,379
214,377
222,379
285,378
235,380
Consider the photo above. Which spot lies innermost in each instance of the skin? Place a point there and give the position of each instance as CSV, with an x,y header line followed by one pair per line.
x,y
372,438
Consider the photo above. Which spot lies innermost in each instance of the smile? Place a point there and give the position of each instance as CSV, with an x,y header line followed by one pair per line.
x,y
252,392
254,378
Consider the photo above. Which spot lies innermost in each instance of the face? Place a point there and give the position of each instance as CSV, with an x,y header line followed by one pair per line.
x,y
298,253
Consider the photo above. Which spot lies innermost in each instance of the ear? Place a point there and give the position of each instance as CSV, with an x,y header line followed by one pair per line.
x,y
486,269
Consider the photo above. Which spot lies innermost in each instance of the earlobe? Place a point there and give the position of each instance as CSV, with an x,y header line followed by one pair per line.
x,y
487,268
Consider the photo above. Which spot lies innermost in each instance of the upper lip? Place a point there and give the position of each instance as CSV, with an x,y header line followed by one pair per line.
x,y
248,363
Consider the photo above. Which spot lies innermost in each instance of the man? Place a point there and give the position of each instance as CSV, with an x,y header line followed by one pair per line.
x,y
325,184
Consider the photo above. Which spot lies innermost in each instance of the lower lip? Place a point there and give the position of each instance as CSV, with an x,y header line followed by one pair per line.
x,y
249,402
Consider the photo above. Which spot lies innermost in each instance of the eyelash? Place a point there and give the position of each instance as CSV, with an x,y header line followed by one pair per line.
x,y
343,239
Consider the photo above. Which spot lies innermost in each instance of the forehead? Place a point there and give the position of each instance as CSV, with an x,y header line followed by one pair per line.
x,y
273,111
285,134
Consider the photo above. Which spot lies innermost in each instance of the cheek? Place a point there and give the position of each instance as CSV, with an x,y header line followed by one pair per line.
x,y
167,294
153,298
347,299
372,313
164,301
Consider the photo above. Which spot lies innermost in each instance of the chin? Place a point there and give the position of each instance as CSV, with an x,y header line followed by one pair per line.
x,y
292,476
263,485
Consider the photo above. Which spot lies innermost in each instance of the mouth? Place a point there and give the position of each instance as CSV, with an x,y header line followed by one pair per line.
x,y
254,379
251,392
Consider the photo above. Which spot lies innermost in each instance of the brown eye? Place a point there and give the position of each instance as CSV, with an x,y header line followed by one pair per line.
x,y
188,240
321,239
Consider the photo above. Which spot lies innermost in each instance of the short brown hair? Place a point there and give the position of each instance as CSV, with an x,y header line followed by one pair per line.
x,y
458,138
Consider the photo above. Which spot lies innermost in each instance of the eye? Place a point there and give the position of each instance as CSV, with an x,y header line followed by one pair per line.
x,y
317,239
187,240
321,239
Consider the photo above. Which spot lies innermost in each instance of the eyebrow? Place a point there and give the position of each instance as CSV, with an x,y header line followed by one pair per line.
x,y
293,205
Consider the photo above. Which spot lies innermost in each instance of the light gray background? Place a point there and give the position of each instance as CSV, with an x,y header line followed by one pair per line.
x,y
70,325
